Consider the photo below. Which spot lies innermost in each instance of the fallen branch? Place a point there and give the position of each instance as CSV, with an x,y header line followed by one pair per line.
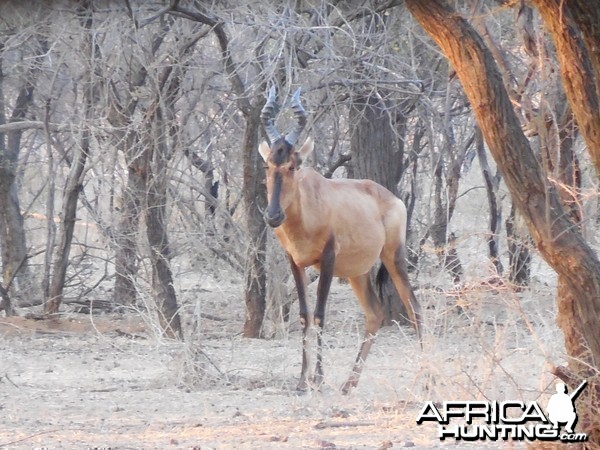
x,y
326,424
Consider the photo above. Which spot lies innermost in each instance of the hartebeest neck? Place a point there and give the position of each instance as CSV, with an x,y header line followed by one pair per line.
x,y
306,213
293,211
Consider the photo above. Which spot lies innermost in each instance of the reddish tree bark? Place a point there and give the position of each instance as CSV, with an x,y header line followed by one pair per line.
x,y
575,66
555,235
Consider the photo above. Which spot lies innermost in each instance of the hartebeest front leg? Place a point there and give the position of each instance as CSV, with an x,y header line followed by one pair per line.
x,y
300,279
327,263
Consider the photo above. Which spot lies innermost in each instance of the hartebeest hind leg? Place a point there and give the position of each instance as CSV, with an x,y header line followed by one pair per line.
x,y
371,306
394,260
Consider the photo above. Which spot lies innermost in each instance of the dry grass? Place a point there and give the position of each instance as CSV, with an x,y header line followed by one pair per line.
x,y
112,381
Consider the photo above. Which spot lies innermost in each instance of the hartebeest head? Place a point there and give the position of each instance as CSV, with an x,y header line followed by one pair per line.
x,y
281,157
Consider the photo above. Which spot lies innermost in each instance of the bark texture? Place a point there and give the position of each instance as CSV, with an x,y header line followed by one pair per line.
x,y
255,201
377,154
13,241
555,235
576,68
556,238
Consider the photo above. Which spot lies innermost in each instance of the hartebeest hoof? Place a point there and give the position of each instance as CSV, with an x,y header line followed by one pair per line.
x,y
313,384
302,387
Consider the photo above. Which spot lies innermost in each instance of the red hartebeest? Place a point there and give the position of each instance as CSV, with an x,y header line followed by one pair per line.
x,y
341,227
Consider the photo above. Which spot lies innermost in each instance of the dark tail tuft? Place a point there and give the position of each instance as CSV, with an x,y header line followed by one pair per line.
x,y
394,310
381,279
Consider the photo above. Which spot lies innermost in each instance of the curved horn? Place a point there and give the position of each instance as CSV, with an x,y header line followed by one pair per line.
x,y
267,114
300,115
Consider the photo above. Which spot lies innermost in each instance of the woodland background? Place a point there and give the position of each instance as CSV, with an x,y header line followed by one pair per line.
x,y
129,170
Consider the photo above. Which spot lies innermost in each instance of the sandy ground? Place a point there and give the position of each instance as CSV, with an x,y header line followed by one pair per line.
x,y
107,381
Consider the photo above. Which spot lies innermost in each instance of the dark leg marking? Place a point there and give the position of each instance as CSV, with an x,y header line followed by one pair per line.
x,y
327,264
300,279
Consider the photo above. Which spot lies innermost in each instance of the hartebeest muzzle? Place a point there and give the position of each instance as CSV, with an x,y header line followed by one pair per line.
x,y
274,215
274,218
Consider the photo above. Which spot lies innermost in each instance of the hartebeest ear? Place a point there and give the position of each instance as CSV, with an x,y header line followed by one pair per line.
x,y
306,149
264,150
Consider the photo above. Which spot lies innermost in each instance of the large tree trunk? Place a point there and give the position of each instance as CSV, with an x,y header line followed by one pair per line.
x,y
255,200
558,240
587,16
12,233
576,69
133,195
377,150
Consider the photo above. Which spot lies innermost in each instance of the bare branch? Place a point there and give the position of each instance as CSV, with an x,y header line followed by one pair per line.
x,y
30,125
218,27
167,9
199,163
342,159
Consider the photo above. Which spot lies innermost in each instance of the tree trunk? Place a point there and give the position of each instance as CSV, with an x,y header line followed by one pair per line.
x,y
126,256
5,302
254,191
575,67
442,241
492,185
123,105
447,170
50,206
75,178
255,200
68,216
556,237
414,243
160,254
519,258
587,16
132,206
12,233
161,142
376,147
377,154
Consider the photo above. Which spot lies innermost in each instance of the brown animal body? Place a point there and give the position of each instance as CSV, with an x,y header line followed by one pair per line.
x,y
341,227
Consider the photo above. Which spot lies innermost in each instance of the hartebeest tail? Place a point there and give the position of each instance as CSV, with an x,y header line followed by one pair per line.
x,y
341,227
